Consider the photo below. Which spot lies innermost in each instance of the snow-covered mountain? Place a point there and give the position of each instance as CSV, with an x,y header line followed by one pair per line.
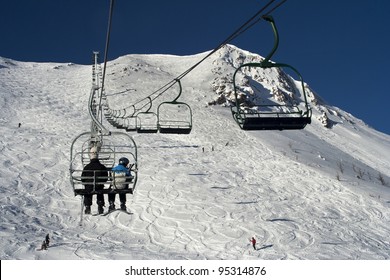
x,y
318,193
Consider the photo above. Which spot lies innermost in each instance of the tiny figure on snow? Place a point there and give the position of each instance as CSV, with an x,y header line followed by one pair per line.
x,y
19,125
43,246
47,240
253,241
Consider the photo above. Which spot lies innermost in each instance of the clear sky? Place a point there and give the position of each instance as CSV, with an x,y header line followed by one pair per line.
x,y
341,47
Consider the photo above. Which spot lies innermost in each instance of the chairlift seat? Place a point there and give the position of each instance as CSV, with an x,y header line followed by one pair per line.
x,y
274,123
103,191
131,128
175,127
175,130
147,129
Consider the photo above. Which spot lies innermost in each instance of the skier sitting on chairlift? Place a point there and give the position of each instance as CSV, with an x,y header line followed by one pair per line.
x,y
93,170
121,178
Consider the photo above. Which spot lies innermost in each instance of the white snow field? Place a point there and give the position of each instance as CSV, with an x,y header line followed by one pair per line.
x,y
322,193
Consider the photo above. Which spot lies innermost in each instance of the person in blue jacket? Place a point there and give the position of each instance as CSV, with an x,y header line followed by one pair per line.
x,y
121,177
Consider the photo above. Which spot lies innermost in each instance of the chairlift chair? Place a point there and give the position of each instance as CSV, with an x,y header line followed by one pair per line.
x,y
174,117
110,149
131,124
147,121
271,116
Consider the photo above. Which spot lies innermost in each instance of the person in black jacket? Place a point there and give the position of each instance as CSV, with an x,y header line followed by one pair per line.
x,y
96,174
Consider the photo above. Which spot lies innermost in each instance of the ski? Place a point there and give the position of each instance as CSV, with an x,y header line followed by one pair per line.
x,y
116,210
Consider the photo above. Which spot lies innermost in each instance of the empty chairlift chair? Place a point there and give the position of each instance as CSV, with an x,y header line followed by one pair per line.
x,y
147,121
270,116
131,123
174,117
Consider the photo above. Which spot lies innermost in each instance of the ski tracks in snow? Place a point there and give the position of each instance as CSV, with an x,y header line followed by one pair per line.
x,y
188,208
204,197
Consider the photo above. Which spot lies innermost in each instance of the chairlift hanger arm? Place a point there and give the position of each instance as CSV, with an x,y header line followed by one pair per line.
x,y
150,104
265,63
270,19
180,91
133,110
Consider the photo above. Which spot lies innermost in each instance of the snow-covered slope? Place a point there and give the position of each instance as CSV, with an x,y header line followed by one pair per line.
x,y
319,193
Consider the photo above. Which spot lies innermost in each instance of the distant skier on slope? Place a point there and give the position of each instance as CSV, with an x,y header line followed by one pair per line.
x,y
44,245
253,241
47,240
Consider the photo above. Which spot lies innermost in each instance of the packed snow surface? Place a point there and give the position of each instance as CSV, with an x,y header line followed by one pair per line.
x,y
318,193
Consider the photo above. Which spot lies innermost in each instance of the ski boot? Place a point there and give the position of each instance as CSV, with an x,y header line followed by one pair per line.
x,y
111,207
100,209
87,210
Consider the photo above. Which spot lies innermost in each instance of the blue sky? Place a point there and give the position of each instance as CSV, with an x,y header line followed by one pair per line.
x,y
340,47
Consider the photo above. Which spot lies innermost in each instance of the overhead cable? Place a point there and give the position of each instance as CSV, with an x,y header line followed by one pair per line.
x,y
248,24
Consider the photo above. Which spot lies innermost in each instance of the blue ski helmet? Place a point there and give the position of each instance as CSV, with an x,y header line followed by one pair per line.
x,y
124,161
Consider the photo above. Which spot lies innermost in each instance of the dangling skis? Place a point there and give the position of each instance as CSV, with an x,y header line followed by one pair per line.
x,y
116,210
